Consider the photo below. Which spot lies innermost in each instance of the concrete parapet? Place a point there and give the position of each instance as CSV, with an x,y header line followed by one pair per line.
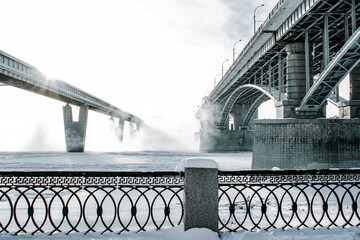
x,y
218,140
201,194
75,132
306,143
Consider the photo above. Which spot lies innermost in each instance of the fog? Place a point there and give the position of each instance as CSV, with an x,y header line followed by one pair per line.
x,y
154,58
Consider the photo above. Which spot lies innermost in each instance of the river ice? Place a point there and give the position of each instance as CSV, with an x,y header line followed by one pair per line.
x,y
114,161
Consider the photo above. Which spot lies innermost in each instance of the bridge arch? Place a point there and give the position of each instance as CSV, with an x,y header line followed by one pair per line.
x,y
252,93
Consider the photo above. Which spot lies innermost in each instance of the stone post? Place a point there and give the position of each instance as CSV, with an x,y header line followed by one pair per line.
x,y
200,193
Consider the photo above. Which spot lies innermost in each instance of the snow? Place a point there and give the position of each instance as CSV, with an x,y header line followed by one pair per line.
x,y
153,161
352,233
196,163
177,233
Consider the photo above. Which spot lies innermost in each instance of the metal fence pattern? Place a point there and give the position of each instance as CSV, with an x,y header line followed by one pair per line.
x,y
38,202
251,200
89,201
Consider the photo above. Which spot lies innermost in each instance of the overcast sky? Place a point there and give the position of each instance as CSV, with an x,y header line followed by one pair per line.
x,y
153,58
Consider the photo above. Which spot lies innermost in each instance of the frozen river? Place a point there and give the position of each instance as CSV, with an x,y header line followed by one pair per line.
x,y
115,161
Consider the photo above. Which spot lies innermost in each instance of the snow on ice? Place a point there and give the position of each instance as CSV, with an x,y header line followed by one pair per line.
x,y
177,233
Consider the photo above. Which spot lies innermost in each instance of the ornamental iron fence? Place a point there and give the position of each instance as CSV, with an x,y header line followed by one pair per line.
x,y
89,201
251,200
38,202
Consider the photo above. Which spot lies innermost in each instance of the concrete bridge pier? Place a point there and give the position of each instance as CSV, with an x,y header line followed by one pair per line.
x,y
354,103
134,129
238,114
307,140
120,130
75,132
299,80
231,137
351,108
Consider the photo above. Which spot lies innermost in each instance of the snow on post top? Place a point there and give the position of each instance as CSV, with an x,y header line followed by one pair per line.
x,y
196,163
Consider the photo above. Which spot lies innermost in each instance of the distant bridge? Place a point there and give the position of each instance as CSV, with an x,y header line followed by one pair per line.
x,y
297,58
17,73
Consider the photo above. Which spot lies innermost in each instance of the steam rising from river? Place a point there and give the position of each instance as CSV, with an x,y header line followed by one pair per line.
x,y
155,59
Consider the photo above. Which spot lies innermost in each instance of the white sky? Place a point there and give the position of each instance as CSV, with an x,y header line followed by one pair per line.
x,y
153,58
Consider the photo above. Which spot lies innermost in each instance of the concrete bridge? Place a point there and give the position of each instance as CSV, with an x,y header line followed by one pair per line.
x,y
17,73
297,58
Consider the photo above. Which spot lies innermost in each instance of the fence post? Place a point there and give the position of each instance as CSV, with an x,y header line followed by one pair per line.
x,y
200,193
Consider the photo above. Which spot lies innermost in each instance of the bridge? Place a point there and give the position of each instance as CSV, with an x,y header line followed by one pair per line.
x,y
20,74
297,58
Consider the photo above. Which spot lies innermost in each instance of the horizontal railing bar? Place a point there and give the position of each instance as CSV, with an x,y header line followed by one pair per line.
x,y
290,172
171,173
87,174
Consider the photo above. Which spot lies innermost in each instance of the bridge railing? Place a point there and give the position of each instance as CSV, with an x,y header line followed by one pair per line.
x,y
255,36
51,202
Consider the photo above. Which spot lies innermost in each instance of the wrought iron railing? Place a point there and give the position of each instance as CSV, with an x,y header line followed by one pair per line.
x,y
251,200
89,201
137,201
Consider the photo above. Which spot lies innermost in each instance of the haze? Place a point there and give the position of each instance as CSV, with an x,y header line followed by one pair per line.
x,y
153,58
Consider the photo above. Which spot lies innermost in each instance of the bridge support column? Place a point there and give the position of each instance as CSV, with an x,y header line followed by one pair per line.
x,y
296,82
223,140
134,128
354,103
120,129
297,73
75,132
239,113
213,139
351,108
